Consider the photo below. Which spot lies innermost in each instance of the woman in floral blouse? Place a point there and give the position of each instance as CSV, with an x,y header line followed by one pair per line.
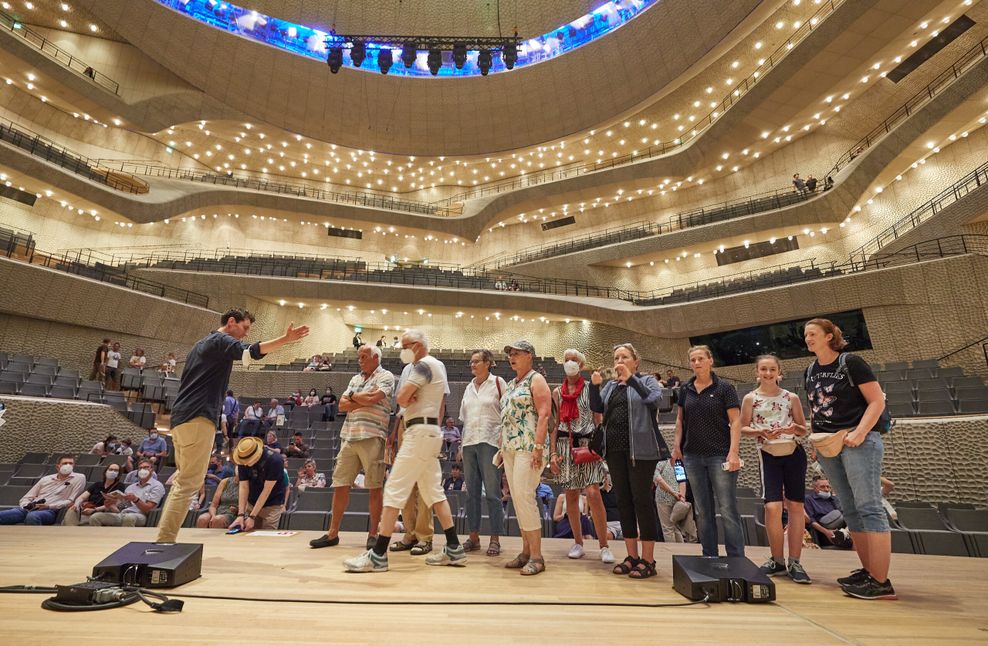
x,y
525,409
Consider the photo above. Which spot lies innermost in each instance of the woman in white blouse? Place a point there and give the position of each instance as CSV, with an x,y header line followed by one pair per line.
x,y
480,411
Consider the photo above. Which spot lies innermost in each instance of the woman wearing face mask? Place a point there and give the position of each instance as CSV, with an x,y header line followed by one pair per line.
x,y
223,507
846,398
633,446
91,500
576,421
106,447
708,437
312,399
774,417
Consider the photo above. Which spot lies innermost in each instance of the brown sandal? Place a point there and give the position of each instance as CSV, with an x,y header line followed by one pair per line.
x,y
494,549
534,566
518,562
643,570
471,545
626,566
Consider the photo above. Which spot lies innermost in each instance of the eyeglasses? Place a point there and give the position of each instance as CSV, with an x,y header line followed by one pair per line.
x,y
474,362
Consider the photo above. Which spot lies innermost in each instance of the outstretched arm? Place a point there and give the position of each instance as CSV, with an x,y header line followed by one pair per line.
x,y
291,335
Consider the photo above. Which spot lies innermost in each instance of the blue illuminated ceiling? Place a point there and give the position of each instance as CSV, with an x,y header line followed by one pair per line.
x,y
309,42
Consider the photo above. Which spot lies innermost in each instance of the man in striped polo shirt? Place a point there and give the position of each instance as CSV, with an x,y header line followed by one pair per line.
x,y
367,404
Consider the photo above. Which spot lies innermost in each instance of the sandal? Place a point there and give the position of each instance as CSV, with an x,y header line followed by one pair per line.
x,y
401,546
534,566
422,547
494,549
518,562
644,570
470,545
626,566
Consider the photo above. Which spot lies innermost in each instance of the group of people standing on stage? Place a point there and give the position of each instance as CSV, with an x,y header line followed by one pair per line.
x,y
570,436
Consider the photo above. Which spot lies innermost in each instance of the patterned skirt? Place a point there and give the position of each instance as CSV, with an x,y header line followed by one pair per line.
x,y
574,476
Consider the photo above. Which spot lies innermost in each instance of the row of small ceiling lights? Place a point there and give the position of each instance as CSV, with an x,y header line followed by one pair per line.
x,y
63,23
425,313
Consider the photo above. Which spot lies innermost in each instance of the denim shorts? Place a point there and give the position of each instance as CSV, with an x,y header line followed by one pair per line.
x,y
855,476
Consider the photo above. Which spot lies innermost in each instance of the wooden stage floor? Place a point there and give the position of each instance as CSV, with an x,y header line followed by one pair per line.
x,y
941,599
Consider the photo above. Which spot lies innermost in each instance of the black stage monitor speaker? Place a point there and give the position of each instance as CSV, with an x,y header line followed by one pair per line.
x,y
720,578
151,565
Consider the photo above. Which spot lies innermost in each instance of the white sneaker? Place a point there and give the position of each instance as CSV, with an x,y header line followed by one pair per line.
x,y
606,556
367,562
576,552
455,556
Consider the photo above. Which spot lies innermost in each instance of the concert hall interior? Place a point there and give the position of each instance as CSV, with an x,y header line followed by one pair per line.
x,y
341,290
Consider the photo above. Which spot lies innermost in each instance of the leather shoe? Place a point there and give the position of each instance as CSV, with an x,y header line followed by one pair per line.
x,y
324,541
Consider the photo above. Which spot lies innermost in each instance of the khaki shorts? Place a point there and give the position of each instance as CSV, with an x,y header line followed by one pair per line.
x,y
268,518
361,454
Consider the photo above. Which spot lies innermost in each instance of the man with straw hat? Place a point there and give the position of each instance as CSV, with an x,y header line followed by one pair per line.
x,y
261,472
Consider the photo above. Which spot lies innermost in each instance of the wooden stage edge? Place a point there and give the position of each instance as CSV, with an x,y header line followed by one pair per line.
x,y
941,599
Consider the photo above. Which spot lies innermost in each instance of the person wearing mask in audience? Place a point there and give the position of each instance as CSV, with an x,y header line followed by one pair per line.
x,y
708,441
526,407
633,446
329,403
92,499
846,399
480,409
367,403
312,399
261,490
113,367
421,395
106,447
217,470
823,514
297,448
451,439
455,480
130,508
138,360
774,417
314,363
309,477
133,476
275,415
153,448
222,508
40,505
675,512
99,362
576,423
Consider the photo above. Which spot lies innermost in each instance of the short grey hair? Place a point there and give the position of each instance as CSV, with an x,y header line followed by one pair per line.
x,y
374,350
582,358
416,335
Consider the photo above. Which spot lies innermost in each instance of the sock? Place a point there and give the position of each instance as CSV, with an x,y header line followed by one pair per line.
x,y
452,540
381,546
792,560
780,561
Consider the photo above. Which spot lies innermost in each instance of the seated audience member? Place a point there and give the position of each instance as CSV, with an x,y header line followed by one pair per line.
x,y
167,367
325,364
675,513
222,508
40,505
275,415
126,449
823,514
93,498
296,448
261,491
133,476
314,363
153,448
271,442
254,411
296,397
887,487
505,490
312,399
563,529
543,493
308,477
396,344
252,422
131,508
218,469
671,380
106,447
455,481
138,360
329,403
451,438
813,467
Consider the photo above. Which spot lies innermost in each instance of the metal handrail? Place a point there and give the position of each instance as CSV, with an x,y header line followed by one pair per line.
x,y
972,181
51,152
59,54
982,340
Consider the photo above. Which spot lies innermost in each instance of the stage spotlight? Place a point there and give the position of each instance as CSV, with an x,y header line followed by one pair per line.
x,y
509,54
435,60
409,52
335,59
358,53
484,61
459,56
385,58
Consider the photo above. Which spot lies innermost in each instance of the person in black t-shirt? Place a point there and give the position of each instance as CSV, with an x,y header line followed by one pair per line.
x,y
845,396
92,499
261,472
197,407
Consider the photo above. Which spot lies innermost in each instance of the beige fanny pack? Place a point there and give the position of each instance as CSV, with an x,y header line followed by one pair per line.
x,y
779,448
829,445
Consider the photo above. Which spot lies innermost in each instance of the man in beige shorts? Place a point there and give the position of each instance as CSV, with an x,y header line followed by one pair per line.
x,y
367,404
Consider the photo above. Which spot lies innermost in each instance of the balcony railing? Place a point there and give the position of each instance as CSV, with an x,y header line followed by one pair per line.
x,y
54,51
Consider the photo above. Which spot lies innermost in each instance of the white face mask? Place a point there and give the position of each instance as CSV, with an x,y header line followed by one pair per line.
x,y
823,495
143,474
407,355
65,469
154,436
112,475
572,368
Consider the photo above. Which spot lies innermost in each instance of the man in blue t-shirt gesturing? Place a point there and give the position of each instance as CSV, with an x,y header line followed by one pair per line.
x,y
197,406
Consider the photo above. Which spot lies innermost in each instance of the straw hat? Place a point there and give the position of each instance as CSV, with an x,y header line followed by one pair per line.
x,y
248,450
829,445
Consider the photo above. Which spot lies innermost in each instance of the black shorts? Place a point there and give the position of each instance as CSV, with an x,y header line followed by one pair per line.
x,y
784,475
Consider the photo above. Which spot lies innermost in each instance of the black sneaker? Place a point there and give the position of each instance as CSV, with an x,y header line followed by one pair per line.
x,y
324,541
797,573
772,567
871,589
857,576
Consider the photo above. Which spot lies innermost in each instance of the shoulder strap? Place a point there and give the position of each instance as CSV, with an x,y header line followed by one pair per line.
x,y
842,364
497,382
806,376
